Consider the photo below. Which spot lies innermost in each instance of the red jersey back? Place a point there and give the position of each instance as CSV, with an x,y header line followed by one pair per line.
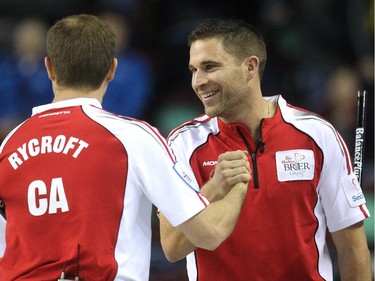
x,y
65,171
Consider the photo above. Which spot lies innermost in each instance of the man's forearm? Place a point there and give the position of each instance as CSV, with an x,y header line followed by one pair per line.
x,y
219,217
209,228
355,265
353,253
174,243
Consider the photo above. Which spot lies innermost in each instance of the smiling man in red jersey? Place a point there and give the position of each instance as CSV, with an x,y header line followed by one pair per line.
x,y
302,184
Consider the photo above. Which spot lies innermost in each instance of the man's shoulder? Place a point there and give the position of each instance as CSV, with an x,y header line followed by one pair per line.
x,y
302,117
194,128
313,125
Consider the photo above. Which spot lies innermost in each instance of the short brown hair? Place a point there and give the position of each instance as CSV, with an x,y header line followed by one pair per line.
x,y
81,48
239,38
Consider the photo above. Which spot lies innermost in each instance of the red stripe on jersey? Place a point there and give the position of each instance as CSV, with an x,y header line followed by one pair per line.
x,y
201,119
202,198
347,155
179,127
364,211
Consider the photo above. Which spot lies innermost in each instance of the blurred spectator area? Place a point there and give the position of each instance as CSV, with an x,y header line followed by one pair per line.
x,y
130,92
24,82
53,8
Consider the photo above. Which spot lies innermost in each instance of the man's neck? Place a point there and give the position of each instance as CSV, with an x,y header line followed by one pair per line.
x,y
252,117
66,94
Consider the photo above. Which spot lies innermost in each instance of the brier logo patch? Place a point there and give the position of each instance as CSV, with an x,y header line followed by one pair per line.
x,y
293,165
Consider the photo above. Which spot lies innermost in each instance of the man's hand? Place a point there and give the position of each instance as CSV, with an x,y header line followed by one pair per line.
x,y
232,167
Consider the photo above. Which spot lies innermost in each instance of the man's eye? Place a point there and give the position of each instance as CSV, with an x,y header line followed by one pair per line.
x,y
210,66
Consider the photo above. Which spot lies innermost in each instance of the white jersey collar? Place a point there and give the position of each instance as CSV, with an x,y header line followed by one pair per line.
x,y
67,103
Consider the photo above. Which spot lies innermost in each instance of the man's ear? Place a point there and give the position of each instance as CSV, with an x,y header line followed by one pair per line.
x,y
252,66
49,67
112,70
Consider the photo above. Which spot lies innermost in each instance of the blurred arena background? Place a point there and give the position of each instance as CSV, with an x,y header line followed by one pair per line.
x,y
320,53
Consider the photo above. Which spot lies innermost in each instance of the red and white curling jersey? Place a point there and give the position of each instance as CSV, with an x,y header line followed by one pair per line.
x,y
78,183
303,182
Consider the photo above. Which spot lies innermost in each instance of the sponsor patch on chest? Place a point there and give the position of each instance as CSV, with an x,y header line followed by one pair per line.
x,y
294,165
